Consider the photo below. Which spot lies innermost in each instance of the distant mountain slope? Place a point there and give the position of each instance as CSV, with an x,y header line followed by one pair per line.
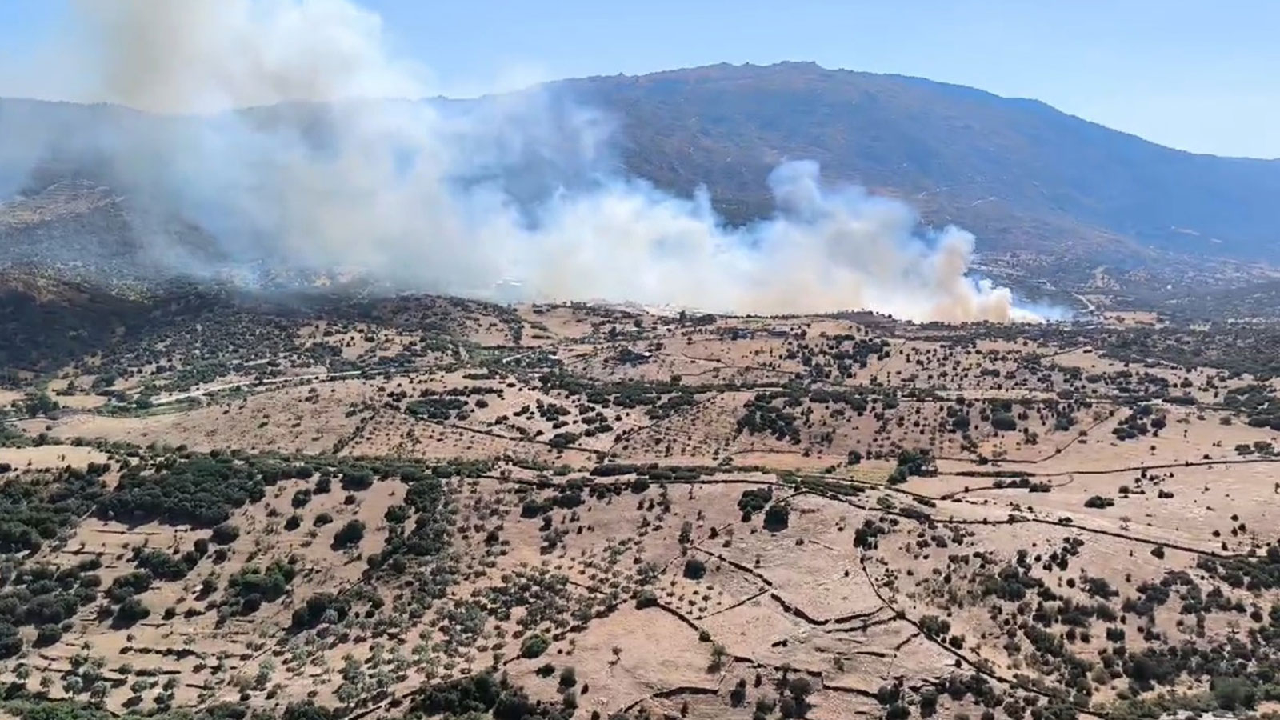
x,y
1019,173
1057,194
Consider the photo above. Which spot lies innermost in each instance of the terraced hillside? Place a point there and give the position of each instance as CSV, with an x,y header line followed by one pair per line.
x,y
426,507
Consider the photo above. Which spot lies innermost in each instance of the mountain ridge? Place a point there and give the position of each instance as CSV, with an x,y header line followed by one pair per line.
x,y
844,102
1051,193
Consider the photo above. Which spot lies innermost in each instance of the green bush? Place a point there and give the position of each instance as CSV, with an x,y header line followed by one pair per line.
x,y
131,612
777,517
348,535
10,641
224,534
534,645
249,588
200,492
311,613
1004,422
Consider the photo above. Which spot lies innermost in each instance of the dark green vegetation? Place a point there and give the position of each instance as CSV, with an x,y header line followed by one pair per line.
x,y
202,491
198,491
32,513
484,695
1050,626
1234,347
194,332
252,586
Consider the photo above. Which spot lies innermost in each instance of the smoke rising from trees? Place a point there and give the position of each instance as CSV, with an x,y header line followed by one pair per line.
x,y
291,133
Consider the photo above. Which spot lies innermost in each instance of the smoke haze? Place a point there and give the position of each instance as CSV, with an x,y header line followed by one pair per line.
x,y
292,134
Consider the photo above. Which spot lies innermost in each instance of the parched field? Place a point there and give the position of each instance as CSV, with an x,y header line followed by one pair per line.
x,y
431,507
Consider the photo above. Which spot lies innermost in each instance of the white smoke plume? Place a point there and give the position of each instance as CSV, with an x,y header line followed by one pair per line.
x,y
340,163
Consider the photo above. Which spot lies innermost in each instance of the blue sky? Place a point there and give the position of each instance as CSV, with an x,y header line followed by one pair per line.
x,y
1198,75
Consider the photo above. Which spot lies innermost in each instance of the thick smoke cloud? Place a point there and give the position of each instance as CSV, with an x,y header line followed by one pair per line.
x,y
339,164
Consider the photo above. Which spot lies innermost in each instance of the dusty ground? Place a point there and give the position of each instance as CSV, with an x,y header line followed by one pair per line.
x,y
612,484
